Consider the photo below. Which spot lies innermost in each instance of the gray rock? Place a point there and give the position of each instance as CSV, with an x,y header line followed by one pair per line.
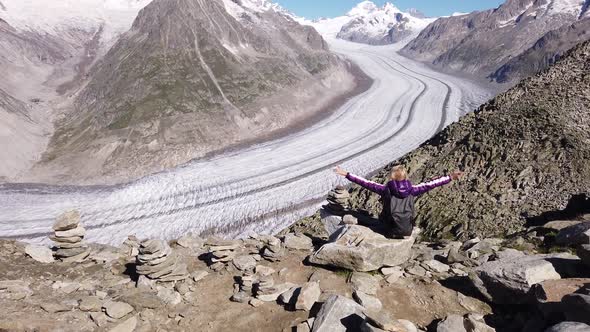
x,y
290,296
198,275
509,253
169,296
66,221
569,327
409,326
557,225
245,262
509,280
338,314
365,283
298,242
453,323
117,309
127,326
53,307
79,231
308,295
358,248
240,297
574,235
366,327
277,290
39,253
436,266
369,302
90,303
255,302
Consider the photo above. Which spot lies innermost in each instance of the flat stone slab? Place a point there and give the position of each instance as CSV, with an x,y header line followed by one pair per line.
x,y
358,248
66,221
40,253
509,280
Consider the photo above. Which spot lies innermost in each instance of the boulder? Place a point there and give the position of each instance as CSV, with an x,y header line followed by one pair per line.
x,y
350,220
338,314
369,302
66,221
358,248
39,253
308,295
297,242
365,283
574,235
509,280
117,309
290,296
569,327
453,323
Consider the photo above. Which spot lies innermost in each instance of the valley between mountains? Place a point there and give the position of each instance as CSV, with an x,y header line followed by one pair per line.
x,y
268,186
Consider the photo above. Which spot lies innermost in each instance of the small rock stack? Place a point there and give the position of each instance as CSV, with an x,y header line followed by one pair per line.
x,y
130,247
338,200
221,252
245,287
68,238
155,260
273,249
265,286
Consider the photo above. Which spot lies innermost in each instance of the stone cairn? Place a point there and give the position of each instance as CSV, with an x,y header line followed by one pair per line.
x,y
245,287
156,261
272,248
130,247
68,238
265,286
221,252
338,201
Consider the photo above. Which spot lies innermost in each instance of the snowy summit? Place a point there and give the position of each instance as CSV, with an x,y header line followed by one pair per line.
x,y
370,24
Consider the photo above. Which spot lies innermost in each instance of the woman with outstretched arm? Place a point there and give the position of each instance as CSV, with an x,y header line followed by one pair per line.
x,y
398,196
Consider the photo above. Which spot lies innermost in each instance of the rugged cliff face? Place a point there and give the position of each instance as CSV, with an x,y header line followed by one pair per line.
x,y
503,44
524,153
190,78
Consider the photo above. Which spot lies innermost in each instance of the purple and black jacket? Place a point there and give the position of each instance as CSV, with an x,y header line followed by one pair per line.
x,y
399,189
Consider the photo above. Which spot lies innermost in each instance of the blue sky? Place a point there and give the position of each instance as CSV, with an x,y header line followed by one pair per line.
x,y
330,8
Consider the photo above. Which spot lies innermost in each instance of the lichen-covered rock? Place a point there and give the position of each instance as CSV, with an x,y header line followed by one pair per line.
x,y
359,248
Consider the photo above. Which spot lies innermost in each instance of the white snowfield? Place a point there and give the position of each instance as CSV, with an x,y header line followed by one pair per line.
x,y
266,187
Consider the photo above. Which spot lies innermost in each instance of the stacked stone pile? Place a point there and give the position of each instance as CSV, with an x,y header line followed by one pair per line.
x,y
68,238
245,287
156,261
273,248
338,200
221,252
130,246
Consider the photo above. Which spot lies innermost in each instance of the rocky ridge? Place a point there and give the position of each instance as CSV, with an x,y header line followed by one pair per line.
x,y
431,286
525,155
505,44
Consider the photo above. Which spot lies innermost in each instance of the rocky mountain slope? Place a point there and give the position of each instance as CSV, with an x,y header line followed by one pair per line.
x,y
367,23
189,78
506,43
46,50
524,153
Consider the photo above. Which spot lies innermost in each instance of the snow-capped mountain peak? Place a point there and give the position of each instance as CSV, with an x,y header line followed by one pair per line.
x,y
371,24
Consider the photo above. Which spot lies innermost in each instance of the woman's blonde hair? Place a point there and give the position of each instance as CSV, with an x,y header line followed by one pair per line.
x,y
398,173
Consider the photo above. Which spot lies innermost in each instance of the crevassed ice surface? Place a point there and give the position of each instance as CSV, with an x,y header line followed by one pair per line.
x,y
268,186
